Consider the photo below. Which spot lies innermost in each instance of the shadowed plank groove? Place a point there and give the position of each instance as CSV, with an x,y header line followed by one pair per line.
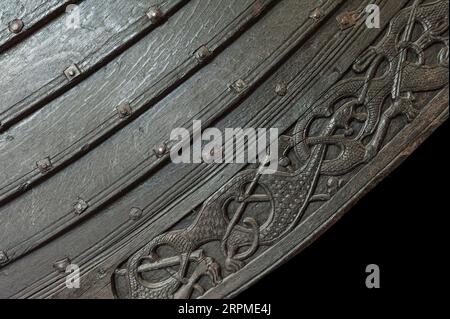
x,y
124,174
261,71
227,53
111,48
110,123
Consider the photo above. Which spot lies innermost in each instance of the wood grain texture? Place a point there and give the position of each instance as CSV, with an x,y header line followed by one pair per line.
x,y
221,64
144,89
55,47
62,215
116,35
33,14
162,80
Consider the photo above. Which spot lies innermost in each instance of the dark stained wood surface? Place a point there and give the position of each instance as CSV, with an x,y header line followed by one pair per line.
x,y
109,162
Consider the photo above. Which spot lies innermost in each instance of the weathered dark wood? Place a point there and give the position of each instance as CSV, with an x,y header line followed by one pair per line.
x,y
113,35
32,15
101,118
110,186
330,103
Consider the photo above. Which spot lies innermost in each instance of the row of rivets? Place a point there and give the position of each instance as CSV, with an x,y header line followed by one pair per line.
x,y
16,26
124,110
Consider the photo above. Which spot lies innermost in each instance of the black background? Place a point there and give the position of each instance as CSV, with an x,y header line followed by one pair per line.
x,y
399,226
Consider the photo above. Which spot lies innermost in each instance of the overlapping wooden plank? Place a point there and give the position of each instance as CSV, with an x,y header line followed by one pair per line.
x,y
100,190
34,72
102,35
152,67
170,192
157,186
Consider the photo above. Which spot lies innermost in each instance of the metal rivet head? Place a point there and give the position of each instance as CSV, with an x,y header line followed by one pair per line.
x,y
124,110
3,258
202,54
61,265
316,14
72,72
155,14
44,165
239,85
23,187
80,206
161,150
281,89
135,213
347,19
16,26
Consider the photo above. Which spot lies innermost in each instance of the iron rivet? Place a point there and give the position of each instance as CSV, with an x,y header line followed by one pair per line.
x,y
155,14
61,265
281,89
44,165
16,26
239,85
124,110
72,72
161,150
3,258
347,19
80,206
316,14
135,213
202,54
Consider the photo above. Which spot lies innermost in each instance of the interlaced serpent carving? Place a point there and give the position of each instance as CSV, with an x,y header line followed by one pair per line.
x,y
287,193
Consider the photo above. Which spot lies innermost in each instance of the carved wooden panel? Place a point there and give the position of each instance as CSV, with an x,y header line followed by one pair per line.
x,y
86,176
